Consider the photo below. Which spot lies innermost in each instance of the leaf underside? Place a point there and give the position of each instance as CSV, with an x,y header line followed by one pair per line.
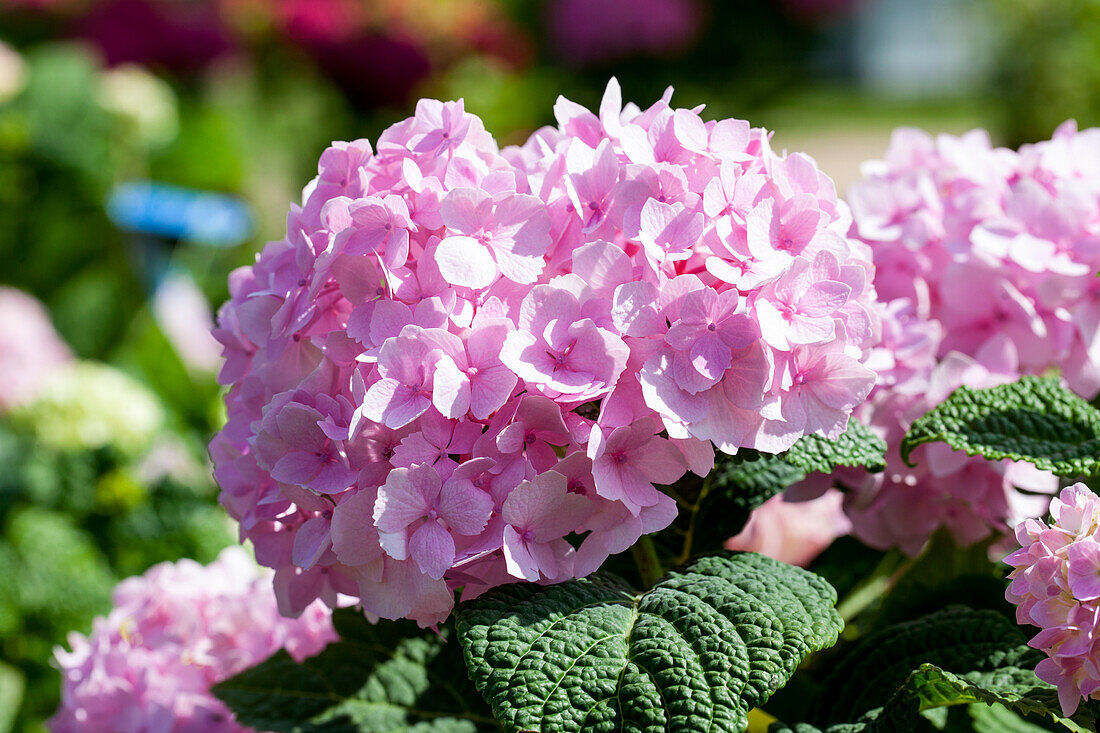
x,y
694,653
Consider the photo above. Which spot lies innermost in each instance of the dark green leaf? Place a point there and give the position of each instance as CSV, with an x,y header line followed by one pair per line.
x,y
1035,420
956,638
952,657
742,482
694,653
857,447
385,677
1015,687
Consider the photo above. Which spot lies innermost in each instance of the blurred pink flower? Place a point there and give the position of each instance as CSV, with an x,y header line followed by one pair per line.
x,y
29,347
173,633
793,532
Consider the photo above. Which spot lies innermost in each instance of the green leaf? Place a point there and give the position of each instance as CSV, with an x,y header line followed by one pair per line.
x,y
857,447
957,638
742,482
1014,687
12,684
951,657
999,719
694,653
1035,420
385,677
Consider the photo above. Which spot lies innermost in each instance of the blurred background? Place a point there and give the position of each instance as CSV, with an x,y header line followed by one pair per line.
x,y
147,147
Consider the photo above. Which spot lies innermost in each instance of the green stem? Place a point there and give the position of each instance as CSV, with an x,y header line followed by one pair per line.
x,y
645,556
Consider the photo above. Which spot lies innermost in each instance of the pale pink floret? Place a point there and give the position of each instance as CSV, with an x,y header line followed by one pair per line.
x,y
476,381
415,514
379,224
508,235
627,463
406,365
1056,586
798,307
710,329
537,515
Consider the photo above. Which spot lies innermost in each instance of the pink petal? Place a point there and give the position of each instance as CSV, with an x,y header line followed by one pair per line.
x,y
406,496
450,389
296,467
310,542
354,539
465,509
490,389
433,548
519,561
465,262
710,356
464,210
824,298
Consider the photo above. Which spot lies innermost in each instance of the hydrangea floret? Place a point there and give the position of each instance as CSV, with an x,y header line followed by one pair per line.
x,y
173,633
1056,586
466,366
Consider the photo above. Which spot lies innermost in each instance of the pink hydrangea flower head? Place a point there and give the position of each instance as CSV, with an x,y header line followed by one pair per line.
x,y
460,355
173,633
1055,584
990,242
986,258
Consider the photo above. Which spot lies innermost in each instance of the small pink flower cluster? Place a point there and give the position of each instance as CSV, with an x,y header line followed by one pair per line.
x,y
173,633
986,260
459,356
1056,586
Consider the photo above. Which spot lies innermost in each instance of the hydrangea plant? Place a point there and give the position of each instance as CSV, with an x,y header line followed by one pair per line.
x,y
468,380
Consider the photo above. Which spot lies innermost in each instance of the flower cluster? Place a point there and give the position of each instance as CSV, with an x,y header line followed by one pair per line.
x,y
1056,586
985,260
173,633
458,357
970,497
87,405
992,243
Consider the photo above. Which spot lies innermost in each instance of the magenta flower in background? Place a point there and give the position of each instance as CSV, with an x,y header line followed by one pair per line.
x,y
181,37
173,633
584,32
